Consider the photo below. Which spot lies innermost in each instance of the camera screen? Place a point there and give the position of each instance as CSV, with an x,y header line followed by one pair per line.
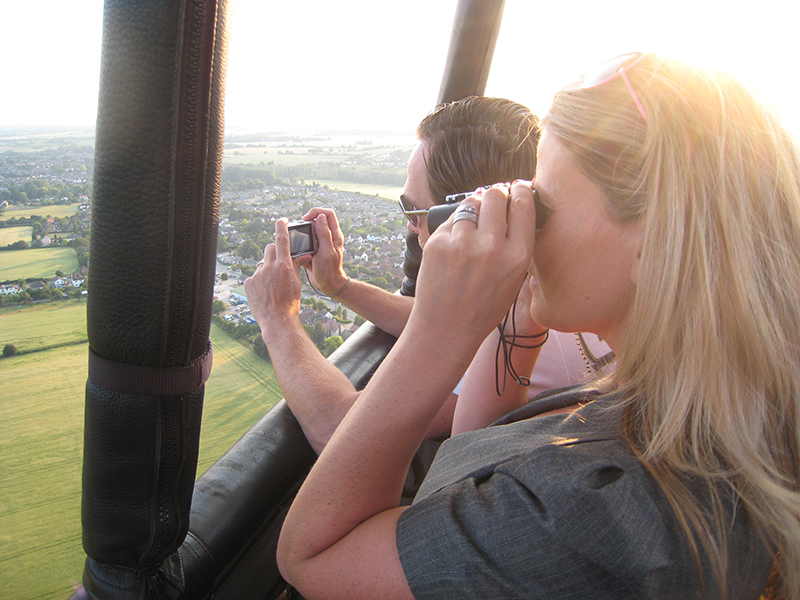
x,y
301,240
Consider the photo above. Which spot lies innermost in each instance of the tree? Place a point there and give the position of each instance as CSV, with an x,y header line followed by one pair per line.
x,y
224,276
9,350
332,343
248,249
359,320
44,293
217,307
317,335
379,282
260,348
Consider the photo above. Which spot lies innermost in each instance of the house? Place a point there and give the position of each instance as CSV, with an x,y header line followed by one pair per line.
x,y
332,326
8,289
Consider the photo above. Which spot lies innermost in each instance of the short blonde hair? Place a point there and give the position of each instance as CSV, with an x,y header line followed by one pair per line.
x,y
711,368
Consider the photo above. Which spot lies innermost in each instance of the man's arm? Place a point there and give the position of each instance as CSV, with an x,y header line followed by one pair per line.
x,y
318,394
386,310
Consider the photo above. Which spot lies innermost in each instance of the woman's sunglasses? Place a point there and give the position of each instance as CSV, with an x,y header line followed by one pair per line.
x,y
616,67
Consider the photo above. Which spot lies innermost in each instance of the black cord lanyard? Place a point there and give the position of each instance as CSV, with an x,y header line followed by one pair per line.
x,y
507,343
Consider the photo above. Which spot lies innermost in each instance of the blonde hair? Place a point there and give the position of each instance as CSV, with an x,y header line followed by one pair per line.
x,y
711,367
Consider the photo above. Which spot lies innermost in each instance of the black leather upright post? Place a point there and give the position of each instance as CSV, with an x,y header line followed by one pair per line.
x,y
158,156
476,27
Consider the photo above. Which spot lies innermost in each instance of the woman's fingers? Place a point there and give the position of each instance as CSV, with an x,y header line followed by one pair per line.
x,y
522,216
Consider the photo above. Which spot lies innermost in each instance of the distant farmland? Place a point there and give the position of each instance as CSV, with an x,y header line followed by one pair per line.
x,y
36,263
51,210
9,235
41,449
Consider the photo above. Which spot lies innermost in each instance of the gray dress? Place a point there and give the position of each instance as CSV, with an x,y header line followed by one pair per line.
x,y
557,507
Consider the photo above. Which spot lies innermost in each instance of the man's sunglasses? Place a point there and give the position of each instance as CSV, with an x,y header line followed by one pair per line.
x,y
616,67
413,213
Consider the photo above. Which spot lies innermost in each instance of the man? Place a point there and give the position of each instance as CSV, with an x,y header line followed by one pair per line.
x,y
462,145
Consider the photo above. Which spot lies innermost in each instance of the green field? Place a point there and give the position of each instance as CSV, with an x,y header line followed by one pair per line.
x,y
391,193
33,142
37,263
41,416
53,210
39,326
9,235
254,156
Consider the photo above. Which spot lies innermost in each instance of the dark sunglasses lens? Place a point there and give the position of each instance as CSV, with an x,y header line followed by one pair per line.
x,y
607,71
403,208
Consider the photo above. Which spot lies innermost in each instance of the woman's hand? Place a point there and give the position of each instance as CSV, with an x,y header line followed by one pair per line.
x,y
472,272
519,321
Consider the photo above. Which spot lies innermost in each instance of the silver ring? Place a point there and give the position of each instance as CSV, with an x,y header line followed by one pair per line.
x,y
261,262
466,214
467,208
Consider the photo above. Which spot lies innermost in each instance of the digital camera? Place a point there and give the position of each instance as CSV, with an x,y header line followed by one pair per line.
x,y
302,238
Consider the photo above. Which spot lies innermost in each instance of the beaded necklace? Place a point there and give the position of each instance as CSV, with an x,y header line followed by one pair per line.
x,y
594,365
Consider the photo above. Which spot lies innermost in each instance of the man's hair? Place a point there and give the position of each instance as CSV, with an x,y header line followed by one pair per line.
x,y
477,142
711,364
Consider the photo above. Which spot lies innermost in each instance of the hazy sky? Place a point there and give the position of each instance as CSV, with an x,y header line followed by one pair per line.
x,y
312,63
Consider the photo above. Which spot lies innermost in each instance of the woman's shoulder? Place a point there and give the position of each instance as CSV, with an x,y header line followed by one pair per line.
x,y
532,444
562,490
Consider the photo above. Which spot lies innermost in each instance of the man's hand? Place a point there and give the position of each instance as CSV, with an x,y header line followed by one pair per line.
x,y
325,267
273,292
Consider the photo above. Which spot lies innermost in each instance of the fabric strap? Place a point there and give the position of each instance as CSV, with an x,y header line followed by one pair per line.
x,y
150,381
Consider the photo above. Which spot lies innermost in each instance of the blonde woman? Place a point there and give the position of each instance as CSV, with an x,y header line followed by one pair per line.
x,y
670,201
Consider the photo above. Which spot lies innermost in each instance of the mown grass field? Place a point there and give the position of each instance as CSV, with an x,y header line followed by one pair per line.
x,y
36,262
34,327
9,235
54,210
389,192
32,142
41,417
